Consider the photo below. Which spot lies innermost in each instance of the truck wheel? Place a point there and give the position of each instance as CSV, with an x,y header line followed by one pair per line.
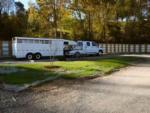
x,y
38,56
29,56
77,55
100,52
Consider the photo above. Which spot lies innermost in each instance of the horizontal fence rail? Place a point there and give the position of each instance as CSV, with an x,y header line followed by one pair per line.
x,y
125,48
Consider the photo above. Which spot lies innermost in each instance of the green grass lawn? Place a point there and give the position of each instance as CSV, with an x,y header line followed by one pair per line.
x,y
28,73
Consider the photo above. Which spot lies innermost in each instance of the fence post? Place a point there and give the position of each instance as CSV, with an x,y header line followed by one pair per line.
x,y
0,48
114,45
106,45
10,48
125,49
118,48
140,48
110,48
134,48
121,48
146,48
129,48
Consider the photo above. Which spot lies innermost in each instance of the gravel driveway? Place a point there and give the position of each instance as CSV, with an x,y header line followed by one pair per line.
x,y
126,91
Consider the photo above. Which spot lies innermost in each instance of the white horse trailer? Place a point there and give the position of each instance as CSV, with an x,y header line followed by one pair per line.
x,y
31,48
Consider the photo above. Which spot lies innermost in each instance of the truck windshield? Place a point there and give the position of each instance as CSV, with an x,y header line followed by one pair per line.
x,y
94,44
80,44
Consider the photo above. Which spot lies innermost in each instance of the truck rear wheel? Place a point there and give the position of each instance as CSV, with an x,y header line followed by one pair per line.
x,y
29,56
100,52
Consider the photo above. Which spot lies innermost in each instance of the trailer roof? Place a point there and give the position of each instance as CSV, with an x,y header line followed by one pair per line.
x,y
70,41
37,38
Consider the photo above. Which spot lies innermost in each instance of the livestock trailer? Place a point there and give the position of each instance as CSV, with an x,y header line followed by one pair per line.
x,y
30,48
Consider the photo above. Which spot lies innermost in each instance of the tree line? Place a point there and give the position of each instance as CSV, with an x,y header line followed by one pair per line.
x,y
105,21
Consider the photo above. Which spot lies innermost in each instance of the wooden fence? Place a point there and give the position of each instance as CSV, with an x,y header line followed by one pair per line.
x,y
5,49
126,48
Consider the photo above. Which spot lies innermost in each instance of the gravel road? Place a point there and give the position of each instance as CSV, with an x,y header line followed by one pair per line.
x,y
126,91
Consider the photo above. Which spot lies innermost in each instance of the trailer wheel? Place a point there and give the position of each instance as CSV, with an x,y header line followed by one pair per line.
x,y
29,56
77,55
38,56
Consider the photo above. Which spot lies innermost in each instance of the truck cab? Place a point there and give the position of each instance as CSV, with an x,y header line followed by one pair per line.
x,y
86,48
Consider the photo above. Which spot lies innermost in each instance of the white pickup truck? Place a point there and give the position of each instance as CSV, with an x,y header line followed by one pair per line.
x,y
85,48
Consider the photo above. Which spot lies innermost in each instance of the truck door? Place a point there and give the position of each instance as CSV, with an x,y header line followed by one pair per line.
x,y
88,48
94,48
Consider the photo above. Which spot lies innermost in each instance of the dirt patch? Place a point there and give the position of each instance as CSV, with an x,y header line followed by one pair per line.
x,y
52,67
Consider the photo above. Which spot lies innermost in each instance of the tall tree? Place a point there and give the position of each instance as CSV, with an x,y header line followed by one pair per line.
x,y
35,22
6,9
21,19
52,12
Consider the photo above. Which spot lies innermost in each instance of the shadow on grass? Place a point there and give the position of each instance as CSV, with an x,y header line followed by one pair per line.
x,y
24,75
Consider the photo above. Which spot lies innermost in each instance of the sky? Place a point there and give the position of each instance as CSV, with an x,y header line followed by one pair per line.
x,y
25,2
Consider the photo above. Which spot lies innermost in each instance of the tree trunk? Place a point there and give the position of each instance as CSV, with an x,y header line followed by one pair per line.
x,y
55,21
89,35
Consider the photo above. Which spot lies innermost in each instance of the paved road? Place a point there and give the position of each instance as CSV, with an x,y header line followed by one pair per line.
x,y
126,91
